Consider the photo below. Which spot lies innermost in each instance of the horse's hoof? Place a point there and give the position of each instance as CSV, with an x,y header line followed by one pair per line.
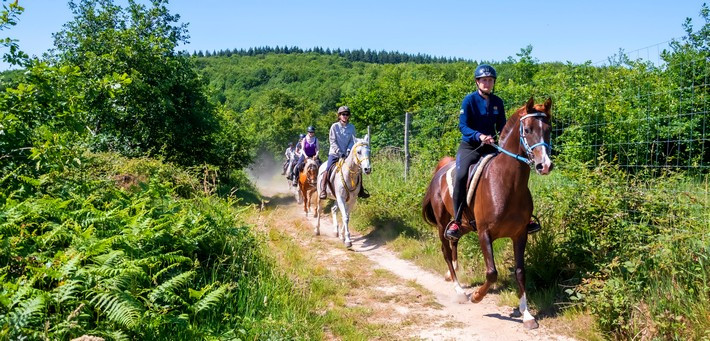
x,y
475,298
448,276
316,232
530,324
348,244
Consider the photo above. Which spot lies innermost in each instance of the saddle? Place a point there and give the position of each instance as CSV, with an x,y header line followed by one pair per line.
x,y
474,175
328,176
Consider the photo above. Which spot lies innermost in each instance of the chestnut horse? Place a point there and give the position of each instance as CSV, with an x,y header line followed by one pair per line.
x,y
502,203
307,182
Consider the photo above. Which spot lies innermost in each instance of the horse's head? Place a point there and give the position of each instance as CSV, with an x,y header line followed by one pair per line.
x,y
311,170
535,134
361,152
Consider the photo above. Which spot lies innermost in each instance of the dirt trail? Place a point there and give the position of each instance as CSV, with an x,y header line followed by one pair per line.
x,y
445,320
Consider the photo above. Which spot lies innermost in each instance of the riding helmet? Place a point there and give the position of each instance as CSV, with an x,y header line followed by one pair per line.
x,y
311,129
301,136
343,109
485,70
290,144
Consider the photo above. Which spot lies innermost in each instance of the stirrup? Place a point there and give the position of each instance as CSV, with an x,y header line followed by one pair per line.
x,y
452,235
364,194
534,225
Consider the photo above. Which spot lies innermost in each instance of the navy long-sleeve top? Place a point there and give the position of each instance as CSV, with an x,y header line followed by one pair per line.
x,y
479,116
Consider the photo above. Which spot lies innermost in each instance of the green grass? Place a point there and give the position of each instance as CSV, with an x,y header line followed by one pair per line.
x,y
149,259
612,244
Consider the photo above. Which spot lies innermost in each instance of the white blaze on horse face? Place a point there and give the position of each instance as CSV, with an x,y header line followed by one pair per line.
x,y
365,157
543,164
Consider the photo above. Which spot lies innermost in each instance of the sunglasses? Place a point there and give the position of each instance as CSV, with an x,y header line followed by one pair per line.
x,y
345,113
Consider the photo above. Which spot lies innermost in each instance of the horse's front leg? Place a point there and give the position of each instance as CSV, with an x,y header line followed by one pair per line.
x,y
484,239
348,208
334,214
305,199
519,252
343,206
316,231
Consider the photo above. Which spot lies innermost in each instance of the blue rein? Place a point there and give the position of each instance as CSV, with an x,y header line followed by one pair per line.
x,y
515,156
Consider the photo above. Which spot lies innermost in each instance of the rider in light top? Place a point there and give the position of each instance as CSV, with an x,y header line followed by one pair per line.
x,y
482,116
297,153
289,154
342,139
310,148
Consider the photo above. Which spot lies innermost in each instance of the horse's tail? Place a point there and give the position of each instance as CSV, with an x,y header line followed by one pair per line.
x,y
427,208
428,211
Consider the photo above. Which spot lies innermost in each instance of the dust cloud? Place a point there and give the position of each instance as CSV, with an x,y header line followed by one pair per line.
x,y
265,172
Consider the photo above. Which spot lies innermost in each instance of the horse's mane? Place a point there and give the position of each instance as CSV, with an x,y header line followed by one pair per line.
x,y
510,124
513,120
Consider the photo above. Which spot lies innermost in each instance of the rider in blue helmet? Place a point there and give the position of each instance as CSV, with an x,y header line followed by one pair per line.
x,y
481,119
309,149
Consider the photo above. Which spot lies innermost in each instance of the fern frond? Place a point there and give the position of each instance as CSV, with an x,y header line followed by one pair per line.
x,y
70,267
119,307
28,312
170,286
212,299
67,292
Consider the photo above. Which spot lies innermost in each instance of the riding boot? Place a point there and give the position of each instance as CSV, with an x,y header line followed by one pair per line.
x,y
453,231
364,194
533,227
323,182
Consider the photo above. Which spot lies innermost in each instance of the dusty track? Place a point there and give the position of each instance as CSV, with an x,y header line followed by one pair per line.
x,y
443,319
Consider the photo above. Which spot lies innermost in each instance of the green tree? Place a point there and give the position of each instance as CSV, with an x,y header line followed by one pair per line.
x,y
162,109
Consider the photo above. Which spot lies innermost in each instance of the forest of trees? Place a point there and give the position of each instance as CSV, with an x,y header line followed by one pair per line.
x,y
121,175
359,55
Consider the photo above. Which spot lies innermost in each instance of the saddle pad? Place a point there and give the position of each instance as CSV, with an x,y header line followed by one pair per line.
x,y
472,186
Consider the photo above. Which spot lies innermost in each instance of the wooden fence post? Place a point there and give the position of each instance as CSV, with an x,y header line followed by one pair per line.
x,y
407,119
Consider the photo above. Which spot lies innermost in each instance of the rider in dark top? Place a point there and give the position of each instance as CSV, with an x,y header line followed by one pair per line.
x,y
482,117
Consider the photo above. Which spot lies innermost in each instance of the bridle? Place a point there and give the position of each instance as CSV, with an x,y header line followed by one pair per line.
x,y
524,142
358,161
311,178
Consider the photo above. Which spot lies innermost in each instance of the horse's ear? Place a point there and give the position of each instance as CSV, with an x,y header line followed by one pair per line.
x,y
530,105
547,105
367,138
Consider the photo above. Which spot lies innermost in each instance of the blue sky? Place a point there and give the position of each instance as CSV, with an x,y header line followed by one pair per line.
x,y
575,31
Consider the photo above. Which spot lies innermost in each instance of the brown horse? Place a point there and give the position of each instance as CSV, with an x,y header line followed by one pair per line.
x,y
307,183
502,203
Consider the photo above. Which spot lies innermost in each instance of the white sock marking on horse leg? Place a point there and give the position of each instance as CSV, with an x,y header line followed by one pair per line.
x,y
524,308
334,213
461,296
456,265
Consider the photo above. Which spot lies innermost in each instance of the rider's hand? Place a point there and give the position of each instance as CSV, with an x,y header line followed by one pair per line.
x,y
487,139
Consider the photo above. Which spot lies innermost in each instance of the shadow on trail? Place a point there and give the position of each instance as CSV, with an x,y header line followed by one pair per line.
x,y
504,318
386,230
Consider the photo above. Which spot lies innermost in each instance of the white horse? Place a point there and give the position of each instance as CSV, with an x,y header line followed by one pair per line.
x,y
346,179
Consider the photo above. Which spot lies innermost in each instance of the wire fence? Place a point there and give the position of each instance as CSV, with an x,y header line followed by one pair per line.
x,y
647,130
